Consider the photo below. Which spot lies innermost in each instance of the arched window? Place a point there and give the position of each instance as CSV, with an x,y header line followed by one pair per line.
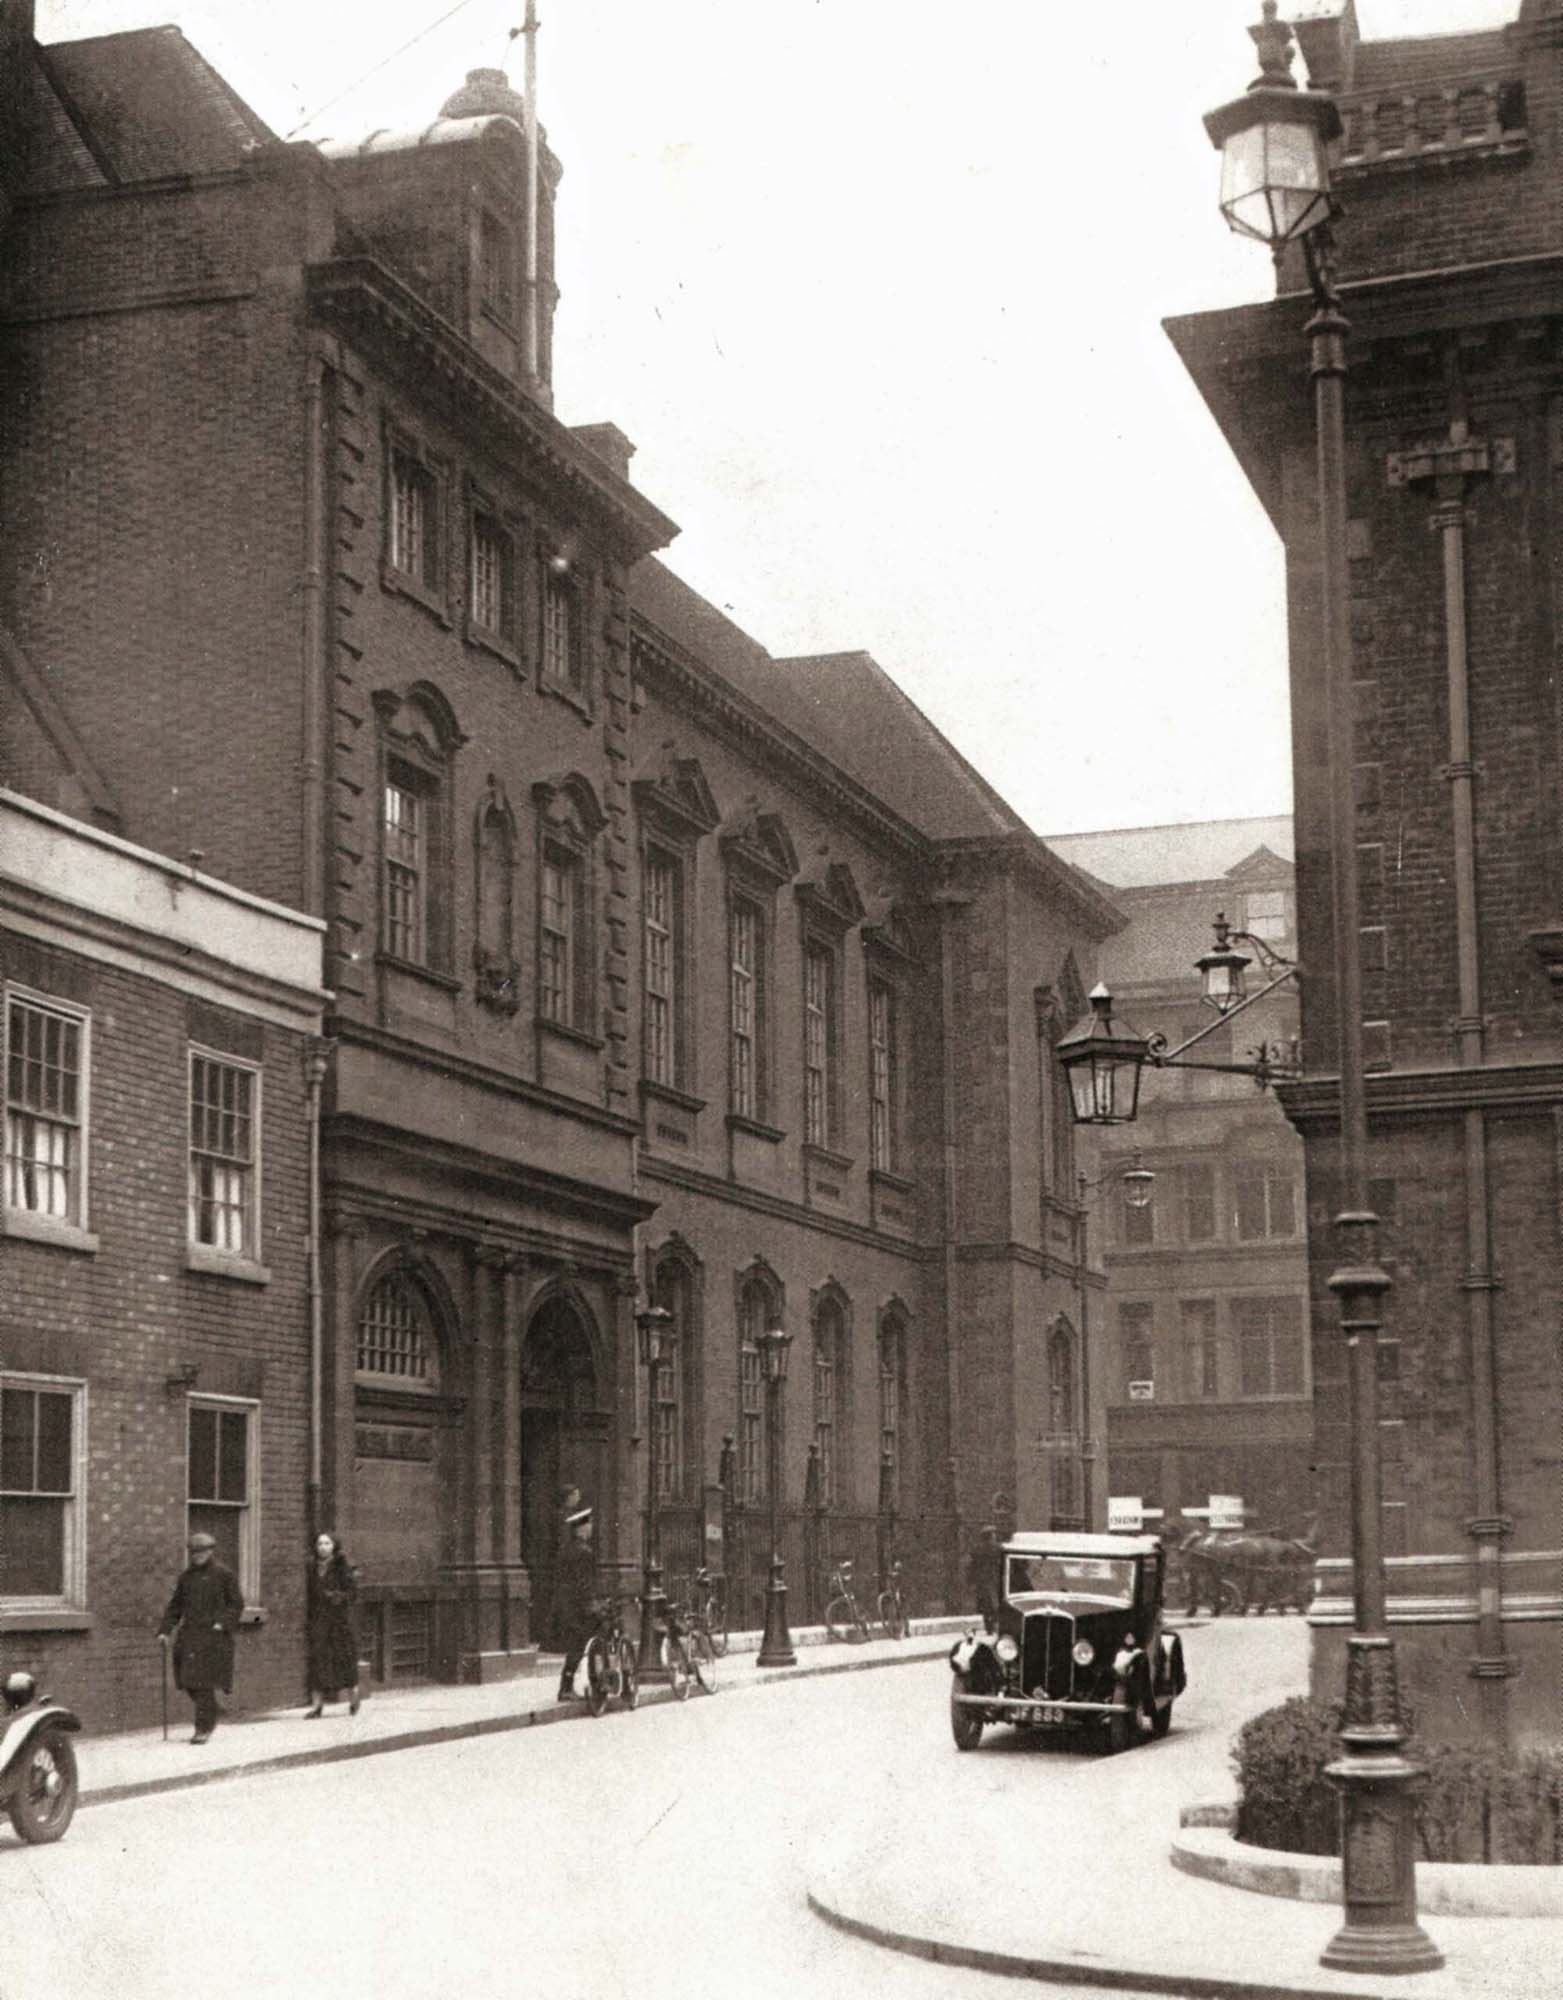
x,y
830,1358
569,821
758,1308
671,1289
396,1338
892,1398
419,738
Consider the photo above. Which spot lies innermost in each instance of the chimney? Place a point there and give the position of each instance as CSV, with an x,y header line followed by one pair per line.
x,y
607,442
16,75
1328,35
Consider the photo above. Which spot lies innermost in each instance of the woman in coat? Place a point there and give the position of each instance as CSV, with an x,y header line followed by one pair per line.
x,y
330,1588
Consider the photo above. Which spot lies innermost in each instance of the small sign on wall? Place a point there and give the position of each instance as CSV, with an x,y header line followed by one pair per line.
x,y
1226,1510
1125,1516
1142,1392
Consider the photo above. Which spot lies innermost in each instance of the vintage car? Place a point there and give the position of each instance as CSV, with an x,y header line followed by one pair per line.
x,y
1075,1643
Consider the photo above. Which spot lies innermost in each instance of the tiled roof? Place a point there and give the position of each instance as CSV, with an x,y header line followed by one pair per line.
x,y
1430,59
139,106
1204,850
845,705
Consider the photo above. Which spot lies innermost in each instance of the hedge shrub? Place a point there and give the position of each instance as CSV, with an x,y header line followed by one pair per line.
x,y
1475,1803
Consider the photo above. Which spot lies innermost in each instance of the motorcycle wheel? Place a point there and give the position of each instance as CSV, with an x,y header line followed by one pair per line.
x,y
43,1799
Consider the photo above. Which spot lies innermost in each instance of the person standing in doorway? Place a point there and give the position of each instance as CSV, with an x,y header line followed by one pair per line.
x,y
330,1588
575,1597
553,1625
200,1622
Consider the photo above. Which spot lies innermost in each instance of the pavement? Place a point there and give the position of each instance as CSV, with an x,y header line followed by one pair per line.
x,y
1050,1863
139,1762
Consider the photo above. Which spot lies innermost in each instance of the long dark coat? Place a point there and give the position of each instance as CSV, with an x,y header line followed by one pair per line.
x,y
333,1643
575,1591
204,1610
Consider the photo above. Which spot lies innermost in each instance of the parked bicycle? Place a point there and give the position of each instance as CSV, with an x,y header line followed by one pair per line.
x,y
843,1619
684,1649
610,1660
708,1608
895,1619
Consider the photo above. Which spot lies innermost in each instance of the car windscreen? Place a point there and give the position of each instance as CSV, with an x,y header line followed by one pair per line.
x,y
1107,1579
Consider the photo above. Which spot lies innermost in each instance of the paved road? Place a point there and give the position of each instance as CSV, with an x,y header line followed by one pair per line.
x,y
644,1855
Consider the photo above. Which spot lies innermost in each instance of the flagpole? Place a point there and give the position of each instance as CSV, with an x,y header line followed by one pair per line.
x,y
529,30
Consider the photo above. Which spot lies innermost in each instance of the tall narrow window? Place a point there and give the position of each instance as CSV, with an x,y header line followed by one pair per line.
x,y
745,995
489,576
829,1368
1201,1361
45,1110
753,1310
882,1079
494,287
1265,1200
1199,1202
556,956
406,870
818,1037
1269,1346
661,975
1137,1352
562,657
892,1366
40,1491
223,1131
221,1482
414,547
665,1402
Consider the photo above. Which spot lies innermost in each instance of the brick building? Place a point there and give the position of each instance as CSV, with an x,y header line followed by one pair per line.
x,y
1206,1351
645,974
154,1325
1451,256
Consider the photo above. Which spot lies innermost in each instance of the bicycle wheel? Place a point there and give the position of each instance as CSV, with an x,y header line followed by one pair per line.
x,y
702,1659
674,1658
597,1676
629,1684
893,1621
715,1619
844,1622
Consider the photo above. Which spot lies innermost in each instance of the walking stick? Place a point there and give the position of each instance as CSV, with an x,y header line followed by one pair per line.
x,y
163,1650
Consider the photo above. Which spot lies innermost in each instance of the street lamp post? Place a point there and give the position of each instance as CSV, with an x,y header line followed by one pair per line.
x,y
1275,187
776,1640
657,1333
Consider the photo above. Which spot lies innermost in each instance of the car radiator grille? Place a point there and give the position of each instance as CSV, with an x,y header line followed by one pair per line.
x,y
1046,1642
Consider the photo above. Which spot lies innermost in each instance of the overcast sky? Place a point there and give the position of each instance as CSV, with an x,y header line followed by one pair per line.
x,y
876,287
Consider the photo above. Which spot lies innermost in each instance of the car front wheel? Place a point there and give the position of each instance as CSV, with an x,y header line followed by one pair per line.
x,y
965,1727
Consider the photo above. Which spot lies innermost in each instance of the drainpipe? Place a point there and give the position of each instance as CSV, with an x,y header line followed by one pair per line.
x,y
1449,467
949,904
315,1058
313,639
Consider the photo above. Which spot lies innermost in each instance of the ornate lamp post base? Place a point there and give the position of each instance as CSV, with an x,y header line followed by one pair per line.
x,y
653,1620
776,1641
1378,1882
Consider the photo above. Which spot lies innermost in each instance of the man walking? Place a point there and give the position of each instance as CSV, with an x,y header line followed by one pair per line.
x,y
576,1596
201,1619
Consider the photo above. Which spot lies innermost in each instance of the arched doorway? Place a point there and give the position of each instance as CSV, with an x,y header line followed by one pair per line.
x,y
564,1439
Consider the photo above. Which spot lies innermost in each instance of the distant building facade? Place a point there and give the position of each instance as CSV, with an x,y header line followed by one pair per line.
x,y
659,968
1207,1340
161,1041
1448,256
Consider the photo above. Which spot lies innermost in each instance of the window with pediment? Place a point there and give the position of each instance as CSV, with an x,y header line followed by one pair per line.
x,y
759,858
418,743
569,821
676,811
759,1308
829,906
832,1385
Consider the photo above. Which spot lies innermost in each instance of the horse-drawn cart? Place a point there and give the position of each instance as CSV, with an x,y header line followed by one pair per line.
x,y
1235,1571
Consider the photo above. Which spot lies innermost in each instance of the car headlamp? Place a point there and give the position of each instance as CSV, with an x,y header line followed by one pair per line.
x,y
1007,1649
19,1690
1084,1653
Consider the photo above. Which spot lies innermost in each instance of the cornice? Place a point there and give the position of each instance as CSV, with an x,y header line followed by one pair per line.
x,y
473,1169
1313,1102
734,1195
362,1034
715,704
361,298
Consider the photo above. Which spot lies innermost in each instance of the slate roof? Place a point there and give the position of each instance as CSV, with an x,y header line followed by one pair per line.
x,y
845,704
1430,59
1205,850
145,105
